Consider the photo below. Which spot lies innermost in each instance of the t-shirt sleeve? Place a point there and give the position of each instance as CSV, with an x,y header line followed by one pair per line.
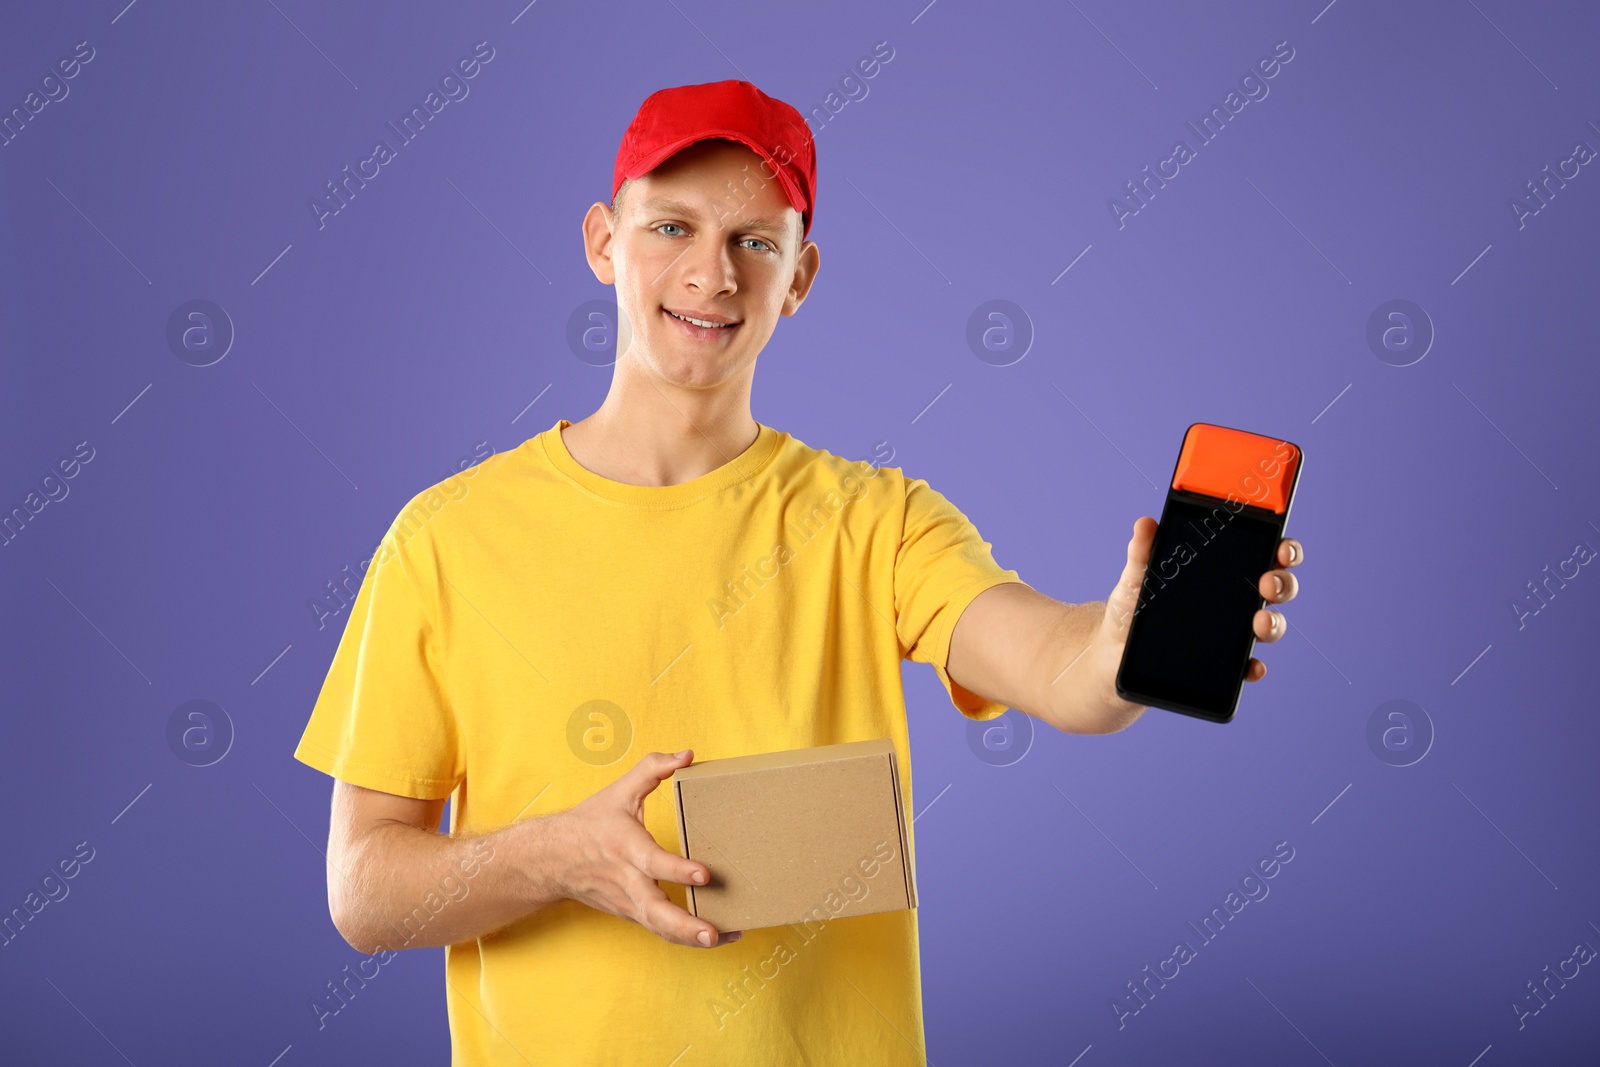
x,y
383,718
941,566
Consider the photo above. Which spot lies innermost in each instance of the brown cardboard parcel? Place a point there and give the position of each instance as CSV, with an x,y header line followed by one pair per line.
x,y
806,834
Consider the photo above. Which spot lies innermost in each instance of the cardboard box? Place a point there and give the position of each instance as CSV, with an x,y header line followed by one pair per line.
x,y
808,834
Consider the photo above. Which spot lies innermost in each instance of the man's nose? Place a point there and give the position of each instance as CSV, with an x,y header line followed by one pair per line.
x,y
709,267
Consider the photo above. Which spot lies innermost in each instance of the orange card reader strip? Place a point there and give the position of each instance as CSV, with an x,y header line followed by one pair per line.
x,y
1232,464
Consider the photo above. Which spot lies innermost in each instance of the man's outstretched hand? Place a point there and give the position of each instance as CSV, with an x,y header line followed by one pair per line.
x,y
1277,586
1058,661
612,863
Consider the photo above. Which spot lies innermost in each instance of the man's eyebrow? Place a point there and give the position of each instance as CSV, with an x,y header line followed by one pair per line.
x,y
678,207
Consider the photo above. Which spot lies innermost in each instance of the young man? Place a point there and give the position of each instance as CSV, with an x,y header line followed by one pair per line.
x,y
668,575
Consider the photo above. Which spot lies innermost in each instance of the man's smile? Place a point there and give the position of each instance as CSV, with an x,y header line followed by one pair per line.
x,y
703,326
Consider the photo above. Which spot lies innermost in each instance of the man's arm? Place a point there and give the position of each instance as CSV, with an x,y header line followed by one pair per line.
x,y
1058,662
395,882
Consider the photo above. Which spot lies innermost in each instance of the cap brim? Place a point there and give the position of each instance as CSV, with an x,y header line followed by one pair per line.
x,y
791,192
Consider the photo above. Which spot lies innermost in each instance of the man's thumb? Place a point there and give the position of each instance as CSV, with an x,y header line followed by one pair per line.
x,y
1125,595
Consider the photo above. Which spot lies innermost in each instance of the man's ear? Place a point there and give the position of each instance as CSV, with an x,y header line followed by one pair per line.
x,y
805,272
597,242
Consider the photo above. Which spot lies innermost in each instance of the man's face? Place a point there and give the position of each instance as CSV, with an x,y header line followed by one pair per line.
x,y
707,236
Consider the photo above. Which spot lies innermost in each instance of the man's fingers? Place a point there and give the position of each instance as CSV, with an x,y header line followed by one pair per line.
x,y
654,768
1269,625
1278,586
664,866
665,919
1291,553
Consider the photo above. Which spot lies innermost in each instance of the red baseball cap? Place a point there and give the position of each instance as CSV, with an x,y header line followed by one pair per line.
x,y
673,119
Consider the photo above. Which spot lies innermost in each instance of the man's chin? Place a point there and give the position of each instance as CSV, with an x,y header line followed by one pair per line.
x,y
686,371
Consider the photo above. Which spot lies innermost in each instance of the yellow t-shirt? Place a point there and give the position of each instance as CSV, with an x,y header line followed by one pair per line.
x,y
529,629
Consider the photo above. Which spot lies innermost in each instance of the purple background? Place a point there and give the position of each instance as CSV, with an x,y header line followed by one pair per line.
x,y
375,352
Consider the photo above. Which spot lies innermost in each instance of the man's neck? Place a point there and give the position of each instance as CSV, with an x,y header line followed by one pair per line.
x,y
647,433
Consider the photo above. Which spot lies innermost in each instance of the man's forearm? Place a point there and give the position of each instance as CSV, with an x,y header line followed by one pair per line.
x,y
409,887
1052,660
1083,695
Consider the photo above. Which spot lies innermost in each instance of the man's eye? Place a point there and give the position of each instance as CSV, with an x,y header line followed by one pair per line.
x,y
764,246
664,225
